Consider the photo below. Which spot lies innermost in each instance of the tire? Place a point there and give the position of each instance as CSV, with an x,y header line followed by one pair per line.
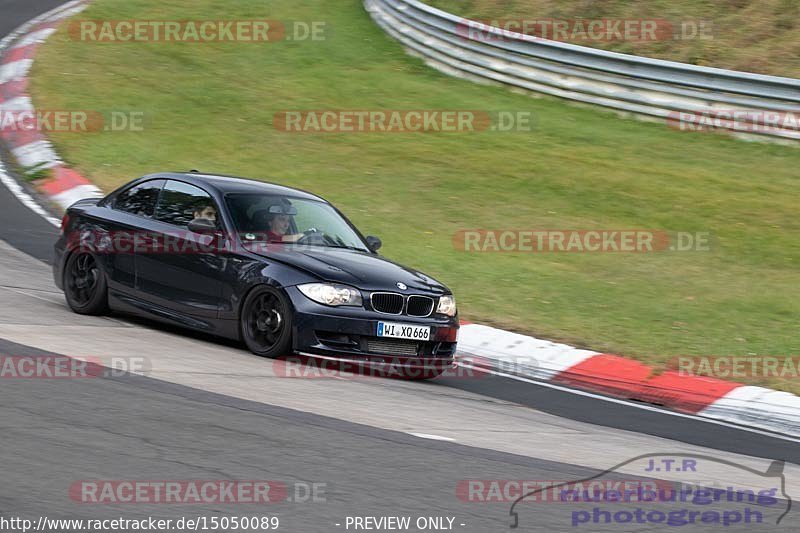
x,y
85,285
266,322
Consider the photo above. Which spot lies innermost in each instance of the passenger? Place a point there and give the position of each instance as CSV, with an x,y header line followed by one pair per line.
x,y
205,210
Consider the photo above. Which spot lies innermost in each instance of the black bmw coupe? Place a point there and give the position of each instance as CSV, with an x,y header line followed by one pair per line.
x,y
278,268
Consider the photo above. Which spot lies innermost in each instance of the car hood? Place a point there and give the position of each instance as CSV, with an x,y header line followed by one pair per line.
x,y
360,269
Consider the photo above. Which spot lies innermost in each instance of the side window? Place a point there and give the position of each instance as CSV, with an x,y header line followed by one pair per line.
x,y
180,202
140,199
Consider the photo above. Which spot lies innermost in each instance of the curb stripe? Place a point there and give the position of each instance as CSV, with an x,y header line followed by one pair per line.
x,y
70,196
758,407
690,394
36,154
64,178
607,374
514,353
36,37
19,53
613,376
15,70
17,103
12,89
19,138
633,380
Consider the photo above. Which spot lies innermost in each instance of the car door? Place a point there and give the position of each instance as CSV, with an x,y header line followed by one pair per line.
x,y
114,234
175,268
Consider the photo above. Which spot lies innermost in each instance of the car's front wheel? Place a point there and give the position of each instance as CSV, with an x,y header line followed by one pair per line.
x,y
85,285
266,322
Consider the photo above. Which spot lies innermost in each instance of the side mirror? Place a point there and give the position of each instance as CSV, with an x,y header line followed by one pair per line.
x,y
203,226
374,243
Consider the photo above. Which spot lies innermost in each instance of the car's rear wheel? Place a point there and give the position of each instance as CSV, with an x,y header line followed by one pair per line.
x,y
85,286
266,322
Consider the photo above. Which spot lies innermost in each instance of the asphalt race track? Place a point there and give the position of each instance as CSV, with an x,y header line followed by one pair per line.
x,y
195,408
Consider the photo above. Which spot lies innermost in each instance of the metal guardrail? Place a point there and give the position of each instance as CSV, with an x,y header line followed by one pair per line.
x,y
677,92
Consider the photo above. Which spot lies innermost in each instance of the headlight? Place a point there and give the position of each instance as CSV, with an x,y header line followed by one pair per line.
x,y
331,294
447,305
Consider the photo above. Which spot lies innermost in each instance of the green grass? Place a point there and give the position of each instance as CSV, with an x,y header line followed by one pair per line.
x,y
750,35
211,106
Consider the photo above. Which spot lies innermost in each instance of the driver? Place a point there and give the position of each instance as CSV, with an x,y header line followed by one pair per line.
x,y
278,224
278,227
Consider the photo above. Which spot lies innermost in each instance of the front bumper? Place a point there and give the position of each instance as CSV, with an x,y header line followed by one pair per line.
x,y
351,333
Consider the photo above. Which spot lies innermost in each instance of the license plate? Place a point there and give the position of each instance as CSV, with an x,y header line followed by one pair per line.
x,y
404,331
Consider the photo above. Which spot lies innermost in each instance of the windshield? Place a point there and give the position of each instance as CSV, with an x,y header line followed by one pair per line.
x,y
276,218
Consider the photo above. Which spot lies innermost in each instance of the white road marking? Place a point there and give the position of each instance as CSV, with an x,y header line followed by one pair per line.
x,y
431,437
